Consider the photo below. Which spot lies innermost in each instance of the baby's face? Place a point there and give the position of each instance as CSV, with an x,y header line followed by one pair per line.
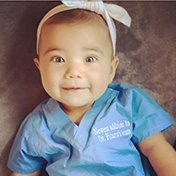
x,y
76,62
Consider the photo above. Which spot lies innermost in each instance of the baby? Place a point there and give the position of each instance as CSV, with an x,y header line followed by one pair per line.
x,y
89,127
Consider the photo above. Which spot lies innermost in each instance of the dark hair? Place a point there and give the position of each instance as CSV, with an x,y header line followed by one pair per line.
x,y
74,15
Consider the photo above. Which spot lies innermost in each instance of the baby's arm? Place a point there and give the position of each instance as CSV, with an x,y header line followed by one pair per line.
x,y
160,153
32,174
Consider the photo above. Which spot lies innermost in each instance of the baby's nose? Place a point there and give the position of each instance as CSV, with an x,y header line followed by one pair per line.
x,y
74,71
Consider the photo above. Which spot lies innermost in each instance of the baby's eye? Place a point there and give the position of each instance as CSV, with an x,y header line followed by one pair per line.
x,y
91,59
58,59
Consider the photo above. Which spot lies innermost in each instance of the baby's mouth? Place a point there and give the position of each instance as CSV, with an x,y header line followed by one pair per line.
x,y
74,88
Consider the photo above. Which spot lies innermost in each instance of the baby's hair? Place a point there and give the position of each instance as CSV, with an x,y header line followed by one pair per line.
x,y
74,15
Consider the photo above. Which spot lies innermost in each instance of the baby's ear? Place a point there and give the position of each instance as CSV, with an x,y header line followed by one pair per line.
x,y
114,65
37,62
116,62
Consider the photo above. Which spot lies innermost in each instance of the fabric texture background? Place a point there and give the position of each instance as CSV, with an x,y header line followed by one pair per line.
x,y
146,50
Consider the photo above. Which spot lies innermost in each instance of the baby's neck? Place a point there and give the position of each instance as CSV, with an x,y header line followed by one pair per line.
x,y
76,113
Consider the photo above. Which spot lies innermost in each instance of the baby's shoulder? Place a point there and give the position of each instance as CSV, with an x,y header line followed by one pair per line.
x,y
126,90
37,117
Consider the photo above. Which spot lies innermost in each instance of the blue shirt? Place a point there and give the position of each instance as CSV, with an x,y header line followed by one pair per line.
x,y
104,143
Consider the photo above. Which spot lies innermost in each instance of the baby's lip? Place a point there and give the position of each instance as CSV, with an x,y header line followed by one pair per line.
x,y
74,88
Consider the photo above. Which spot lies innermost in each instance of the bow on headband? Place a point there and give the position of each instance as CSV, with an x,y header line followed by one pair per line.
x,y
108,12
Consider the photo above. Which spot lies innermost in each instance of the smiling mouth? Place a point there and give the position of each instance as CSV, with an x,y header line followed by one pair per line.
x,y
74,88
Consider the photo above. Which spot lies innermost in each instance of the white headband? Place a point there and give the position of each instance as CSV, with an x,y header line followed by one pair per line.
x,y
108,11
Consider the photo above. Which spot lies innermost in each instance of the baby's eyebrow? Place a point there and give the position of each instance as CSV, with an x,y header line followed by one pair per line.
x,y
95,49
85,49
52,49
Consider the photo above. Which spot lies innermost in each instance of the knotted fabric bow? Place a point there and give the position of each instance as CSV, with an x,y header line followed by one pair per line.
x,y
108,12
